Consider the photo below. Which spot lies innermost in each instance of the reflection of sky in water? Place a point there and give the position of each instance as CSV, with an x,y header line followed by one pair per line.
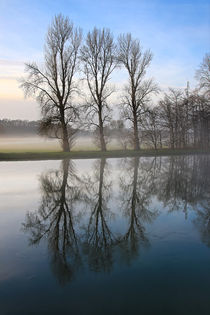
x,y
154,252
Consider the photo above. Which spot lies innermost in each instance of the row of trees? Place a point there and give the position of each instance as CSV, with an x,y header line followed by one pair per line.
x,y
57,87
181,119
18,127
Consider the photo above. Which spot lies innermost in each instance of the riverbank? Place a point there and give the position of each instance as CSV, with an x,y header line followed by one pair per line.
x,y
37,155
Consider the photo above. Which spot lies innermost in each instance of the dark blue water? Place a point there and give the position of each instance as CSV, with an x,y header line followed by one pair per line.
x,y
114,236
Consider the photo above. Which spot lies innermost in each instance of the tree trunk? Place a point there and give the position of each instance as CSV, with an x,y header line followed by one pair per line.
x,y
136,133
65,138
160,140
101,131
172,138
155,143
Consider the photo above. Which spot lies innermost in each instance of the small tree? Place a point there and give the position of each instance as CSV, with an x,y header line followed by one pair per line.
x,y
151,128
137,91
200,116
98,57
174,112
203,74
53,84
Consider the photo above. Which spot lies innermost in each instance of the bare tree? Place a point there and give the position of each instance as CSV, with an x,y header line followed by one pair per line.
x,y
200,119
203,74
53,84
151,128
174,112
137,91
98,57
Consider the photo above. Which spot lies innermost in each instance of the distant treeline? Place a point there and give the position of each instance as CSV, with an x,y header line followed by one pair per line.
x,y
18,127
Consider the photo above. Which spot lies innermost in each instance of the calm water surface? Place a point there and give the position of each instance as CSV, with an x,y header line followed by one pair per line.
x,y
109,236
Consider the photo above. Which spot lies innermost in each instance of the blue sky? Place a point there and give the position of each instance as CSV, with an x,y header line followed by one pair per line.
x,y
177,32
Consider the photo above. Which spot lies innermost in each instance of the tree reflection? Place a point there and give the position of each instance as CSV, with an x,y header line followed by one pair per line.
x,y
202,221
185,184
76,219
55,219
175,182
137,187
99,239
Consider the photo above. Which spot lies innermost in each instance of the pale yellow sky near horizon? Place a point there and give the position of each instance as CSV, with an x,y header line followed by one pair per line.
x,y
13,104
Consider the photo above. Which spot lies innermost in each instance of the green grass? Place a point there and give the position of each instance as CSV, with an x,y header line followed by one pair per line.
x,y
87,154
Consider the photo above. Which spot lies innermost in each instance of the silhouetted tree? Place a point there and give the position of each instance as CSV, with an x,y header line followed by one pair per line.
x,y
53,85
200,119
203,75
138,91
175,113
98,58
151,128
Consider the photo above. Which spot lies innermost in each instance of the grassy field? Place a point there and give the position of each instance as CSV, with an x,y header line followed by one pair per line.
x,y
38,148
41,144
88,154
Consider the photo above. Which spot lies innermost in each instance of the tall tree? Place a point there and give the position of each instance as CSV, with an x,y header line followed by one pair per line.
x,y
53,84
138,90
98,57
